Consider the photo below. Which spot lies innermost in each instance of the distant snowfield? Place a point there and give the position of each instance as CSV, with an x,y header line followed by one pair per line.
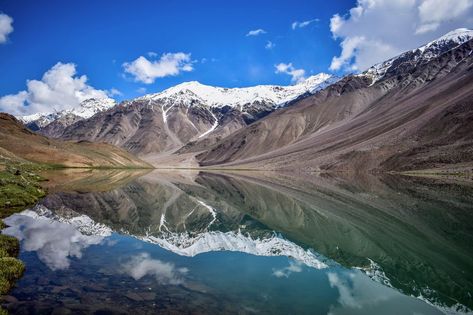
x,y
189,92
423,53
86,109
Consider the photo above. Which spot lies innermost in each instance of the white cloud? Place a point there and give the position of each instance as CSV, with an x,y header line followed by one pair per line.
x,y
60,88
345,289
357,293
169,64
14,103
433,13
376,30
115,92
302,24
141,90
206,60
269,45
54,242
6,27
143,265
294,266
287,68
257,32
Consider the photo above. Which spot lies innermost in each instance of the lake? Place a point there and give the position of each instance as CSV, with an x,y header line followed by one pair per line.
x,y
175,242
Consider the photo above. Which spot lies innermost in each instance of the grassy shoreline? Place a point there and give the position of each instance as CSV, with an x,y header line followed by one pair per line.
x,y
19,188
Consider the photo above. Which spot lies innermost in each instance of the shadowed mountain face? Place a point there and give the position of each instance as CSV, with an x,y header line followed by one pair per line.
x,y
416,115
410,233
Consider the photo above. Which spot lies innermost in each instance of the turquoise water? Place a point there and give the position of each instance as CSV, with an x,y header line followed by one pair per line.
x,y
234,244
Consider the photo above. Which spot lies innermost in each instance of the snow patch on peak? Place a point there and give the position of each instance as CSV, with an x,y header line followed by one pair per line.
x,y
424,53
189,93
317,81
449,40
86,109
41,119
92,106
460,36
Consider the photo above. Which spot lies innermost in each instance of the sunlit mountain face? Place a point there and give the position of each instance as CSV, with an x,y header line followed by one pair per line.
x,y
247,243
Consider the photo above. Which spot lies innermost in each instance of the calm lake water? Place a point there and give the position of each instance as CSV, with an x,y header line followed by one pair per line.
x,y
245,243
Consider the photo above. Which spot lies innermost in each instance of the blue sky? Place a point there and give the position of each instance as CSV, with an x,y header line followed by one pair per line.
x,y
99,36
119,44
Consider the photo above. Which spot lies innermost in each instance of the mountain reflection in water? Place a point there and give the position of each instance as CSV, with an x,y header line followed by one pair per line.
x,y
248,242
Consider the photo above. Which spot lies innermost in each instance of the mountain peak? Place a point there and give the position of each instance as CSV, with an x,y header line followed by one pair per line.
x,y
87,108
189,92
92,106
460,34
423,53
316,80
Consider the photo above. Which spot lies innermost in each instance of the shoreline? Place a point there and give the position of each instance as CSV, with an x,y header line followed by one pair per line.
x,y
19,188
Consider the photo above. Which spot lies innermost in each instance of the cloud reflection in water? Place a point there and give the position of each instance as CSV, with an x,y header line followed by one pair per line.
x,y
54,242
143,265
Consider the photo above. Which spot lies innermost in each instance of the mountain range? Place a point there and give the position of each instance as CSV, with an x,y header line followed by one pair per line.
x,y
51,124
189,114
410,112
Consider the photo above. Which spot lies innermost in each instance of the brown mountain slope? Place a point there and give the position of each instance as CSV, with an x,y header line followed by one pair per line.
x,y
17,141
419,116
141,127
189,117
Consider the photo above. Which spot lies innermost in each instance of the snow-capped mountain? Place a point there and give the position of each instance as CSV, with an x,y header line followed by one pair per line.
x,y
190,116
420,55
315,137
92,106
212,107
86,109
40,119
193,92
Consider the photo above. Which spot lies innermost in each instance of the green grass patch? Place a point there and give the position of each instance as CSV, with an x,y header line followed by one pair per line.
x,y
9,246
19,188
11,269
